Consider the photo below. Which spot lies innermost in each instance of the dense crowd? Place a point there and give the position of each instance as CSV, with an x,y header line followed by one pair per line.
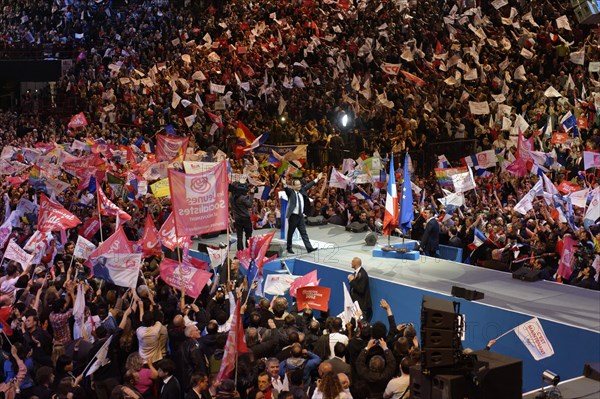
x,y
322,73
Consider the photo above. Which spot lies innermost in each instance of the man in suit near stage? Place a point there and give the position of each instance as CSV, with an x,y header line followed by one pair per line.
x,y
359,288
170,388
298,204
430,242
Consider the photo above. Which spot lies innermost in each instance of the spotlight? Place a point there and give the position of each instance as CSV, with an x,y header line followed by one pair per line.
x,y
282,119
345,120
549,377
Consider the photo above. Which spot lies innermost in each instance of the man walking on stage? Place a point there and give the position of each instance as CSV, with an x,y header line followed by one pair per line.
x,y
298,202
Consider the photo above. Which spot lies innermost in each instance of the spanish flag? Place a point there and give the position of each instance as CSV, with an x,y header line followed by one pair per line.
x,y
242,132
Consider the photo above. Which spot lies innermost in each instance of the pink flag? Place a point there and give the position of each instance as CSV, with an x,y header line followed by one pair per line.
x,y
168,235
178,274
308,280
200,201
235,345
108,208
18,254
117,243
565,266
54,217
150,240
77,121
170,147
390,69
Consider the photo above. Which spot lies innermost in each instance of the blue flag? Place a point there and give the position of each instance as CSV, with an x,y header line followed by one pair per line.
x,y
406,200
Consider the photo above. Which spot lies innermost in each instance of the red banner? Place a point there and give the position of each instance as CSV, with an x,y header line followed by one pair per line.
x,y
177,275
567,258
170,147
313,297
90,228
568,187
53,217
308,280
77,121
200,201
582,123
559,138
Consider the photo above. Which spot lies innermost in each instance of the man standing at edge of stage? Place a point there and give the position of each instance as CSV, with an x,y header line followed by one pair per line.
x,y
359,288
298,202
430,242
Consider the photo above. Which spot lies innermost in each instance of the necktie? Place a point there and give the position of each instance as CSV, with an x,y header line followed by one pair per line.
x,y
299,200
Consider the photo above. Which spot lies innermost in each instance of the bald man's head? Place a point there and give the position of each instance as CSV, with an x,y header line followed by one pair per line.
x,y
325,368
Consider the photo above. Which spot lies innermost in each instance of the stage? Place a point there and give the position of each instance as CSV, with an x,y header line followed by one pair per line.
x,y
552,301
569,315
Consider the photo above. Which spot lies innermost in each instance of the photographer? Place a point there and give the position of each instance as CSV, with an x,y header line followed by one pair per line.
x,y
240,200
378,370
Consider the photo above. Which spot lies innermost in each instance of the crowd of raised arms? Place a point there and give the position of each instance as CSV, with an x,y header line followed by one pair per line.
x,y
353,81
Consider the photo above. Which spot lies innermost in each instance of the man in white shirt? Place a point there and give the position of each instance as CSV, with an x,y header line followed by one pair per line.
x,y
399,387
335,336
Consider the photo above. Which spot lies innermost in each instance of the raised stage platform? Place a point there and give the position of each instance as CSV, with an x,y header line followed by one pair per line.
x,y
551,301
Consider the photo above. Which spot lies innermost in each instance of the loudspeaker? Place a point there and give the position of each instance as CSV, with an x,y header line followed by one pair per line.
x,y
592,370
438,357
527,274
210,235
202,248
371,239
448,386
438,313
502,378
275,248
495,265
433,338
420,385
469,295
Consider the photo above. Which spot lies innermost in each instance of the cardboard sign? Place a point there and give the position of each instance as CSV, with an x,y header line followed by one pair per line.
x,y
314,297
559,138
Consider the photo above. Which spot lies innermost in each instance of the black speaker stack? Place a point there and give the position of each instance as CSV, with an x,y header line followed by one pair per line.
x,y
440,333
446,372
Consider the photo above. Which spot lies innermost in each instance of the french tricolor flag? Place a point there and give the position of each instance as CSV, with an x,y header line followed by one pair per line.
x,y
390,219
262,193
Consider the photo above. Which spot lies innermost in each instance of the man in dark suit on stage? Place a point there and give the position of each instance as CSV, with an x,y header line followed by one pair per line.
x,y
430,242
170,388
359,288
298,204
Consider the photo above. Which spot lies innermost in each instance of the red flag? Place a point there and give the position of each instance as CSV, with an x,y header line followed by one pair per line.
x,y
54,217
168,235
565,266
77,121
89,228
242,132
178,274
413,78
308,280
150,240
117,243
200,201
108,208
216,119
235,345
170,147
314,297
257,249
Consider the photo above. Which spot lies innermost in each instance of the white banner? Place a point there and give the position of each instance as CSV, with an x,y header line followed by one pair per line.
x,y
18,254
533,337
463,182
83,248
479,108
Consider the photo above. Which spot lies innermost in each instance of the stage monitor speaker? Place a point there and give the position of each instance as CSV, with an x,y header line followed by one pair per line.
x,y
502,378
527,274
275,248
438,357
371,239
592,370
433,338
469,295
438,314
202,248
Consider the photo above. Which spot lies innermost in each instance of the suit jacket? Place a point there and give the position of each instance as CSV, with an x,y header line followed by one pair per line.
x,y
291,194
171,390
340,366
431,237
360,291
